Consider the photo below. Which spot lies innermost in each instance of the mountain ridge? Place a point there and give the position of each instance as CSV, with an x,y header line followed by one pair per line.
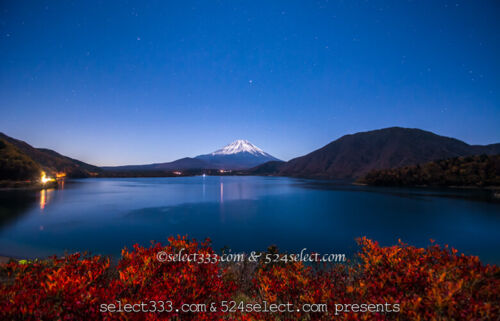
x,y
348,157
353,155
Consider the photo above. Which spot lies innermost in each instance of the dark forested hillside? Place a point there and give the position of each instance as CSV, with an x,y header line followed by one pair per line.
x,y
46,159
483,170
15,165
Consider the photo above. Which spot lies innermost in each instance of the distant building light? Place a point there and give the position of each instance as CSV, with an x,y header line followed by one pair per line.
x,y
60,175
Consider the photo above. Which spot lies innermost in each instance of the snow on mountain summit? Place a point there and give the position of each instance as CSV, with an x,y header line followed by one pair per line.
x,y
240,146
240,154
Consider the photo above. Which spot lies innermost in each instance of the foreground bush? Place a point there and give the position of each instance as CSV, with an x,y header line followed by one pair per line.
x,y
56,289
142,277
427,284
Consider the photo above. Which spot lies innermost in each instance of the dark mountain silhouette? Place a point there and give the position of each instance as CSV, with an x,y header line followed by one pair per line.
x,y
348,157
48,160
269,168
352,156
180,164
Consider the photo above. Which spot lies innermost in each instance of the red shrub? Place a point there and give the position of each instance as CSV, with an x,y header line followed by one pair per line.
x,y
69,288
145,278
428,284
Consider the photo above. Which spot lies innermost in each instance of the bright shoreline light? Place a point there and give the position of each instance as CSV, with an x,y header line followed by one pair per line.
x,y
44,179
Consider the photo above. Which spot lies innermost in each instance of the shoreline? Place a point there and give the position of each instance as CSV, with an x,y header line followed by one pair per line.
x,y
24,185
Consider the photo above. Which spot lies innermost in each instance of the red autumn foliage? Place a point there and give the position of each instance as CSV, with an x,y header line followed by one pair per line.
x,y
56,289
142,276
429,284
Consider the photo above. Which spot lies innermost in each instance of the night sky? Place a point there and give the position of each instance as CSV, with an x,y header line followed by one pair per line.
x,y
124,82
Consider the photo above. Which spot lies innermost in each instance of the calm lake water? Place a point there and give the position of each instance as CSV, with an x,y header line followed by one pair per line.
x,y
244,213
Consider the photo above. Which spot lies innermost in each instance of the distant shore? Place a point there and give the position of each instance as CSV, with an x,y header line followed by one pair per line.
x,y
29,185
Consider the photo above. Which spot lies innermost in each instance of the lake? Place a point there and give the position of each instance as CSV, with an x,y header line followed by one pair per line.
x,y
244,213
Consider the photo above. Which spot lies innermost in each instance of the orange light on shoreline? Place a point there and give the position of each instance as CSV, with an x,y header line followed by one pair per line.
x,y
44,179
60,175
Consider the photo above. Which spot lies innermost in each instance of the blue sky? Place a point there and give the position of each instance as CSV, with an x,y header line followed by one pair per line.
x,y
128,82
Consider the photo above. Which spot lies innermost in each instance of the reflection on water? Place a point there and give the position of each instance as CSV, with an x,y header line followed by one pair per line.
x,y
221,192
45,196
47,193
244,213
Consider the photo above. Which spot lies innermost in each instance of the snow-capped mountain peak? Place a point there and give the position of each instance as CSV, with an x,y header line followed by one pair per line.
x,y
240,146
240,154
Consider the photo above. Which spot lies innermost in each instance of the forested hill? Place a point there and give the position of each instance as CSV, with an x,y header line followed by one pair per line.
x,y
480,171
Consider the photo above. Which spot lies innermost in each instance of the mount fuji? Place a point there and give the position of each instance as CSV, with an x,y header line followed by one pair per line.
x,y
240,154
